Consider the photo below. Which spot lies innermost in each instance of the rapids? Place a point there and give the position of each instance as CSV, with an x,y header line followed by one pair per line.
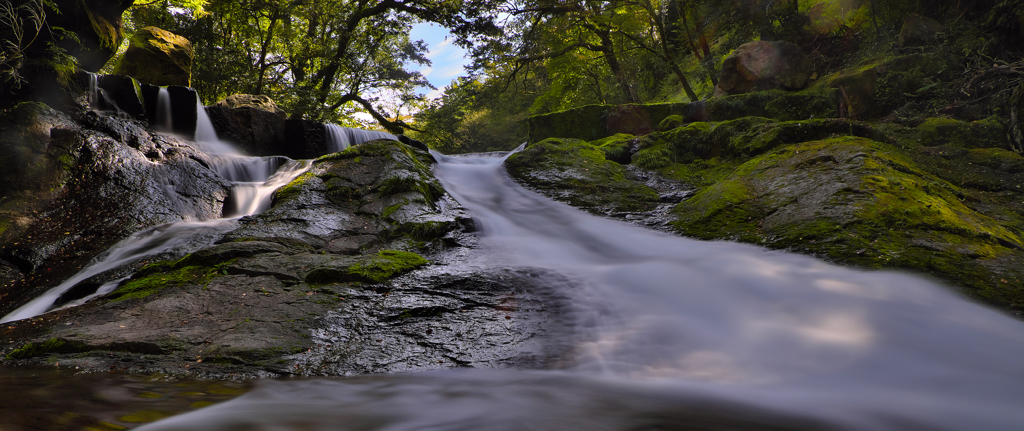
x,y
673,333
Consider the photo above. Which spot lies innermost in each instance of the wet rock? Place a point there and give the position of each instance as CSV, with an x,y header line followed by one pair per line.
x,y
306,139
88,185
158,57
253,123
351,244
919,30
764,65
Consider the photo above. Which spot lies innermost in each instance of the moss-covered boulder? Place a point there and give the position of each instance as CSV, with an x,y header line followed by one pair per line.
x,y
977,134
381,189
578,173
159,57
764,65
860,202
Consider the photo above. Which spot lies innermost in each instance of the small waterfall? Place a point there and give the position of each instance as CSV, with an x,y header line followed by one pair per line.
x,y
339,138
100,101
163,111
248,169
248,198
255,180
206,135
168,238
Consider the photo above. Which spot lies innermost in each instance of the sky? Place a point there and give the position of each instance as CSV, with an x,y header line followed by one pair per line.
x,y
447,62
448,59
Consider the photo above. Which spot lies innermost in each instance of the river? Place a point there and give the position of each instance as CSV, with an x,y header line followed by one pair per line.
x,y
673,333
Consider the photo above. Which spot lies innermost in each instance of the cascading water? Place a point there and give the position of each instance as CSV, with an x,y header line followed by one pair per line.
x,y
163,111
339,138
673,333
100,101
254,178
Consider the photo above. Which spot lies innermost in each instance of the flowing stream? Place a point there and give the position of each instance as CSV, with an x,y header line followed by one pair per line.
x,y
673,333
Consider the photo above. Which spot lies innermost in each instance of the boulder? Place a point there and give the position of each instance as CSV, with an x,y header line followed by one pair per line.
x,y
254,101
764,65
73,188
254,123
919,30
158,57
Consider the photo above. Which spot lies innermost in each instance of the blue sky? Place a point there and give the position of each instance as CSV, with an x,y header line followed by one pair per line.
x,y
448,59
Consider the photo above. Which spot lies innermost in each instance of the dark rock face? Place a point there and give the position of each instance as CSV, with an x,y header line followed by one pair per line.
x,y
763,65
184,102
304,139
255,131
157,57
77,187
97,24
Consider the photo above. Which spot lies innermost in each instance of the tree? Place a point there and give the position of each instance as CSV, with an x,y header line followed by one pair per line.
x,y
323,59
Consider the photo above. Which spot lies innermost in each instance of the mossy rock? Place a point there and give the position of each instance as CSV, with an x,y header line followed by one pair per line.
x,y
858,201
158,57
594,122
616,147
378,268
670,122
157,276
978,134
578,173
51,346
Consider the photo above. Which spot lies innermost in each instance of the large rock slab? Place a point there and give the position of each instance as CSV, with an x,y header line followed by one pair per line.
x,y
764,65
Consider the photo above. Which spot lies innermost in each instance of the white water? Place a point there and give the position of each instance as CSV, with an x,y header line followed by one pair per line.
x,y
163,111
255,180
671,330
339,138
98,96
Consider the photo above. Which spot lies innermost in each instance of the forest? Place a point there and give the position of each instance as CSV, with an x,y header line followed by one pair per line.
x,y
327,60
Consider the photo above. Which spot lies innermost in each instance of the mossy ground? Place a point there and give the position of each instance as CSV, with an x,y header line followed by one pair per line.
x,y
387,264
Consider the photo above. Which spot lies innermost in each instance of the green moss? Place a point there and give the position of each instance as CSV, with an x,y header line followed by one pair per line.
x,y
53,345
293,188
671,122
862,203
578,173
143,416
978,134
387,264
157,276
616,147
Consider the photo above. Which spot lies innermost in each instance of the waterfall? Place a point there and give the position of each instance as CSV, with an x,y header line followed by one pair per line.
x,y
206,135
254,181
163,111
100,101
339,138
